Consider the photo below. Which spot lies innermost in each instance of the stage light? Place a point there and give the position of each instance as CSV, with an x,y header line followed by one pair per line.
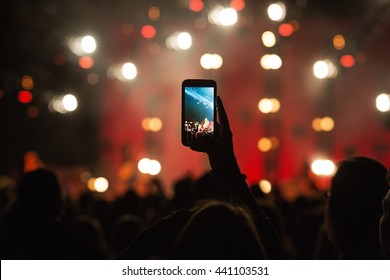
x,y
265,186
338,42
323,167
88,44
223,16
275,105
211,61
69,102
100,184
27,82
129,71
383,102
269,39
324,69
270,62
277,11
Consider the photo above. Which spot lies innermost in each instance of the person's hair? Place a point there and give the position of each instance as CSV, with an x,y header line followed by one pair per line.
x,y
219,230
354,207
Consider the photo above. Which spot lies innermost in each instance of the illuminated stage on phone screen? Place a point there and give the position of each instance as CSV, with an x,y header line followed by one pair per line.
x,y
199,111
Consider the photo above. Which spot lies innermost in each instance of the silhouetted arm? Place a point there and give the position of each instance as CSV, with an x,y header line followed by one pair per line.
x,y
225,168
384,232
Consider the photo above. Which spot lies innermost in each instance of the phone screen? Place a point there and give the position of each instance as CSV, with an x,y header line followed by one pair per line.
x,y
198,109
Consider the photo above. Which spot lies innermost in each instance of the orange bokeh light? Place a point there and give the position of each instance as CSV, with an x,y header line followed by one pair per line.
x,y
347,61
148,31
285,29
196,5
86,62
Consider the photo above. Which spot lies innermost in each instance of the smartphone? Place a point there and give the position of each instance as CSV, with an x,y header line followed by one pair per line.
x,y
198,109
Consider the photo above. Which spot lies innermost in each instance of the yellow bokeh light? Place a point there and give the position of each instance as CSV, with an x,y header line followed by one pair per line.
x,y
155,124
275,105
145,124
264,144
327,124
316,124
339,42
265,186
27,82
154,13
265,105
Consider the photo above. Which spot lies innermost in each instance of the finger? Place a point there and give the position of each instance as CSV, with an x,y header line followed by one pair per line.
x,y
223,119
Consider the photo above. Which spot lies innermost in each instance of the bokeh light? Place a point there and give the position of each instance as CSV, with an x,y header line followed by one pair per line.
x,y
196,5
86,62
265,186
277,11
27,82
268,38
100,184
70,102
223,16
324,69
25,96
347,61
152,124
338,42
383,102
129,71
211,61
32,112
323,167
265,105
264,144
271,62
149,166
285,29
154,13
238,5
88,44
179,41
148,31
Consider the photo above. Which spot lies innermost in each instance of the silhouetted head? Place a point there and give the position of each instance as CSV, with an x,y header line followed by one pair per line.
x,y
354,207
219,231
39,194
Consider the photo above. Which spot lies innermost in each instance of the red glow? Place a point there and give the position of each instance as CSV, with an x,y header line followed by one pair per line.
x,y
238,5
285,29
59,59
24,96
86,62
1,94
196,5
347,61
127,29
148,31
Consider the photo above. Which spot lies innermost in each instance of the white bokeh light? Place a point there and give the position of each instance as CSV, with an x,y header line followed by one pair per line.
x,y
149,166
100,184
383,102
227,16
88,44
268,38
69,102
129,71
277,11
323,167
271,62
184,40
324,69
211,61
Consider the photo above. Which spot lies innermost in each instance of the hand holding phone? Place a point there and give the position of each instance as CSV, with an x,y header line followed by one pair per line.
x,y
198,109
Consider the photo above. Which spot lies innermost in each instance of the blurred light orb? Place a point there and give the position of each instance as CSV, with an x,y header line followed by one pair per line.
x,y
86,62
27,82
25,96
286,29
338,42
268,38
211,61
100,184
228,16
323,167
148,31
154,13
223,16
270,62
277,11
196,5
69,102
154,167
265,186
265,105
129,71
316,124
184,40
88,44
324,69
327,124
149,166
347,61
264,144
275,105
383,102
238,5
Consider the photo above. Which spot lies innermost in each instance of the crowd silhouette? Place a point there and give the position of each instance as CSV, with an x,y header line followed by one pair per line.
x,y
215,216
